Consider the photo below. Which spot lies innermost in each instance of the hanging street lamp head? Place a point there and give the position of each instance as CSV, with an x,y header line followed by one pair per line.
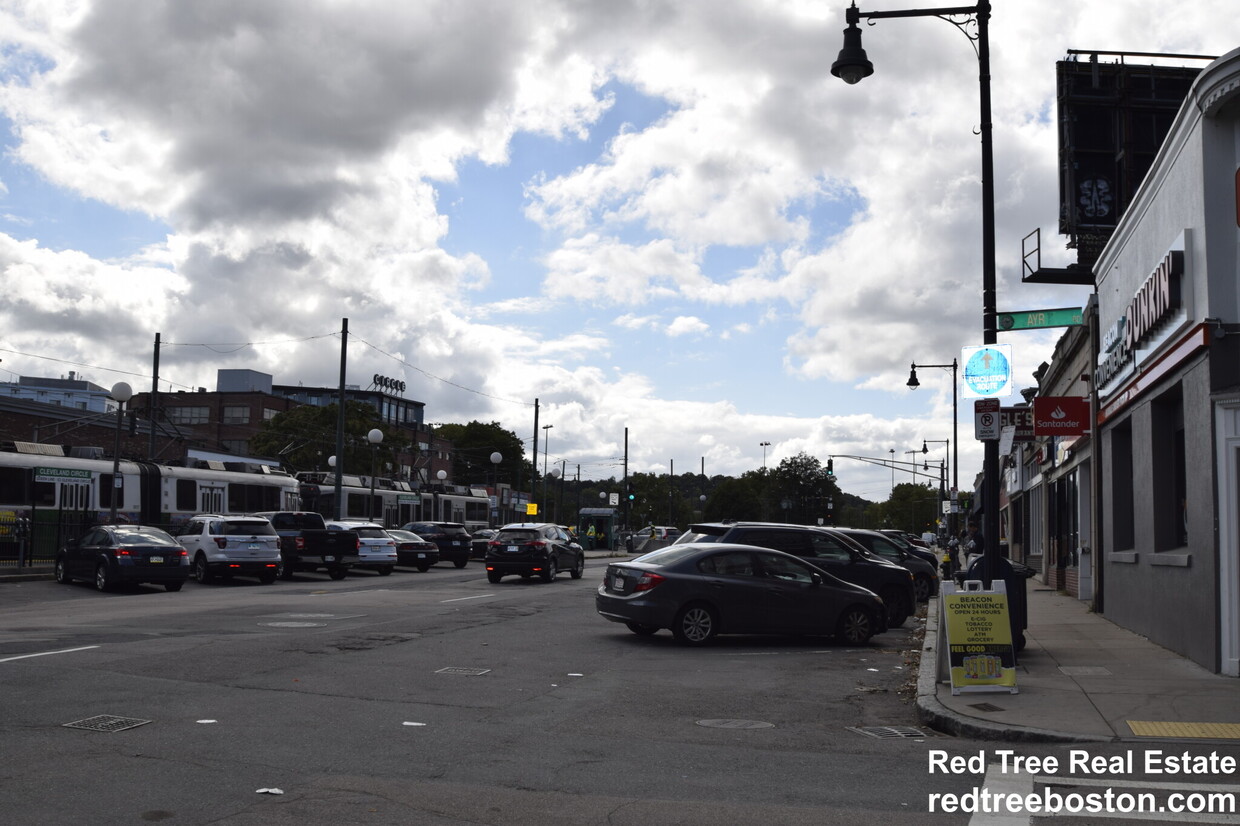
x,y
912,378
852,64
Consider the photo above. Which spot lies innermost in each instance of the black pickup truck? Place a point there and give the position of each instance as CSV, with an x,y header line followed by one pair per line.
x,y
307,545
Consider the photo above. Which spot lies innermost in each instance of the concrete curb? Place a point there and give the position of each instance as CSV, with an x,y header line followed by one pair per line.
x,y
939,717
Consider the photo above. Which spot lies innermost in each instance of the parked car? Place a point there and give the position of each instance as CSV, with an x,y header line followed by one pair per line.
x,y
451,537
222,546
114,554
825,549
534,548
479,541
925,574
911,544
376,551
413,550
307,545
700,590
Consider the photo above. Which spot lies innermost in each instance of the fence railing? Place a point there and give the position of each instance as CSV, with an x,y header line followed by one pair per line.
x,y
29,541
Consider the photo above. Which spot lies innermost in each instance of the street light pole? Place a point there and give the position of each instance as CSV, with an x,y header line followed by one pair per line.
x,y
764,446
851,66
546,438
496,458
375,436
122,392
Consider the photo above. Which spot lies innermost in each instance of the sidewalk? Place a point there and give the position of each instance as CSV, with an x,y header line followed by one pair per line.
x,y
1083,679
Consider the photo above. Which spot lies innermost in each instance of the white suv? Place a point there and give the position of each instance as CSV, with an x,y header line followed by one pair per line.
x,y
376,550
226,545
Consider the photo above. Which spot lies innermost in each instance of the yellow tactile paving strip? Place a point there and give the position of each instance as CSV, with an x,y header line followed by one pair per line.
x,y
1208,731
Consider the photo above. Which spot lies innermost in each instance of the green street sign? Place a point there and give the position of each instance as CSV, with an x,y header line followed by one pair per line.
x,y
1037,319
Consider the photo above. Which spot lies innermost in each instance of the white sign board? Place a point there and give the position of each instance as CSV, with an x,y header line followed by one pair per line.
x,y
986,419
987,371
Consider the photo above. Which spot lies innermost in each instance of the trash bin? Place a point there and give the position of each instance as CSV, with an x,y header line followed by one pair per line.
x,y
1018,599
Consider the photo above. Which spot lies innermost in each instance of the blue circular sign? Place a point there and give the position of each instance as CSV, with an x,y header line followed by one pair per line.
x,y
988,372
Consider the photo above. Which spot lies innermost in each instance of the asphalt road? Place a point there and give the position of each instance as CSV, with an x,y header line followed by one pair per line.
x,y
439,698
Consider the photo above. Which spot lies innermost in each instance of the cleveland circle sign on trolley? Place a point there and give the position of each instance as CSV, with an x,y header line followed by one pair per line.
x,y
987,371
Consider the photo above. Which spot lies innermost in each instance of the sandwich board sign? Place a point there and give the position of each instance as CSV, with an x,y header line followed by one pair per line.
x,y
980,654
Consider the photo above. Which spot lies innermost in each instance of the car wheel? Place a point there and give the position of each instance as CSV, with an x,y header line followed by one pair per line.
x,y
898,609
494,577
580,568
423,567
549,571
202,574
461,563
385,571
267,579
62,573
173,586
696,624
283,571
337,573
102,581
921,588
641,630
855,626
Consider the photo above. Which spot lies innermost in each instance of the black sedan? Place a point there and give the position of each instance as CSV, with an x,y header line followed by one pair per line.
x,y
113,554
412,549
699,591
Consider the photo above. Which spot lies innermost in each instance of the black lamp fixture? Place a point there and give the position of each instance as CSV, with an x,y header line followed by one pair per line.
x,y
913,383
852,65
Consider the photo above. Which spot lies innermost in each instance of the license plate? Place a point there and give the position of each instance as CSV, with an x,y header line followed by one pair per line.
x,y
617,583
459,542
156,559
253,546
512,549
421,556
329,559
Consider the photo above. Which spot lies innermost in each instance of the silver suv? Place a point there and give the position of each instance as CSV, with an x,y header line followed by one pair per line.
x,y
220,546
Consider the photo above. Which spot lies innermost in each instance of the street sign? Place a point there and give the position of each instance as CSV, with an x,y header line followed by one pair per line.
x,y
987,371
613,499
1038,319
986,419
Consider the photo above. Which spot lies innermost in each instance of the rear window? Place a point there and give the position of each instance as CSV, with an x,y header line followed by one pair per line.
x,y
297,521
693,536
454,530
149,536
251,527
370,533
670,555
517,536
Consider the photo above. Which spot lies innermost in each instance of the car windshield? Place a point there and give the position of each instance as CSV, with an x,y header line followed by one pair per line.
x,y
147,536
250,527
669,555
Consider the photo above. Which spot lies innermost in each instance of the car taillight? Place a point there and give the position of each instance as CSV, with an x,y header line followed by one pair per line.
x,y
221,542
300,542
539,544
647,582
124,552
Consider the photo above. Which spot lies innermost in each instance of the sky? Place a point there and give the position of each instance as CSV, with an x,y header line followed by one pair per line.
x,y
653,216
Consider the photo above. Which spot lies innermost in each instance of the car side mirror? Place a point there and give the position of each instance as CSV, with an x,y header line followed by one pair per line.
x,y
815,578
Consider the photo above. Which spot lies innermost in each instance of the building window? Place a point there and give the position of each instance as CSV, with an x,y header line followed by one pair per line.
x,y
188,415
1169,476
236,414
238,447
269,413
1123,517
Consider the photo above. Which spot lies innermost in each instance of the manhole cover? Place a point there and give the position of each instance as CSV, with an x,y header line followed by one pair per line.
x,y
107,722
310,616
294,624
887,731
741,724
469,672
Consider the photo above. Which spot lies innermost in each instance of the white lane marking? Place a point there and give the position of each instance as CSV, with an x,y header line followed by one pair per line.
x,y
997,782
462,599
45,653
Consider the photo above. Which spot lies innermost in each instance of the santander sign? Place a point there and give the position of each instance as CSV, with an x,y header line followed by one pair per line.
x,y
1060,415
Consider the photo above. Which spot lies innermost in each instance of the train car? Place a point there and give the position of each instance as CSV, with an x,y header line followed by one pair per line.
x,y
393,502
47,497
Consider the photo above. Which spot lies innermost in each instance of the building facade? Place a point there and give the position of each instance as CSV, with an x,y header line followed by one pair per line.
x,y
1167,381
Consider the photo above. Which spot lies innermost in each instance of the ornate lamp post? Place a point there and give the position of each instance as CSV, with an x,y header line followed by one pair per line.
x,y
375,436
122,392
851,66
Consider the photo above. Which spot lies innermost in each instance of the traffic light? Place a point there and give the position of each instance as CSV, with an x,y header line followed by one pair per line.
x,y
830,467
631,493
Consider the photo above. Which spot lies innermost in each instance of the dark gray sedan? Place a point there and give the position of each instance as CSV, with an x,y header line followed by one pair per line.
x,y
111,555
698,591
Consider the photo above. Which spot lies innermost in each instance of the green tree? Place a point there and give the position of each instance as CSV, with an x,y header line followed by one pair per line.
x,y
800,488
472,446
305,436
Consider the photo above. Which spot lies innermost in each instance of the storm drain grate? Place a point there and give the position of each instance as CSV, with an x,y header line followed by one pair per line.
x,y
107,722
886,732
468,672
986,707
736,724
